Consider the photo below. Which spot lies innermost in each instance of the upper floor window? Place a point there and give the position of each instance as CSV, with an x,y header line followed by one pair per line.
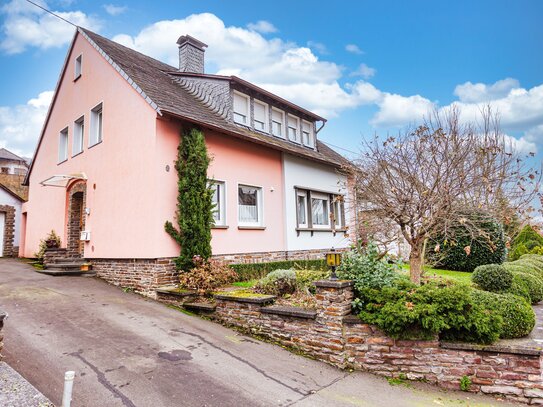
x,y
278,123
63,145
241,109
261,116
219,200
293,125
307,134
95,135
78,66
79,130
249,205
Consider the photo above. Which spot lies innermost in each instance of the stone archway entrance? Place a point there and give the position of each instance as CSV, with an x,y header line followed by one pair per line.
x,y
76,219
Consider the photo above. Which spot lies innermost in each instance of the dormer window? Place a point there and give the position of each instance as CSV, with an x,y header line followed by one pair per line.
x,y
293,128
261,116
307,134
241,109
278,123
78,66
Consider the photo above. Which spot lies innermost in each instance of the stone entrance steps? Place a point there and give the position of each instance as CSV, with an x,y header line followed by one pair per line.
x,y
66,267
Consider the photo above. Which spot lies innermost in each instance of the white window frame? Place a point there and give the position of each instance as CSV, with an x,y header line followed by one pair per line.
x,y
63,145
248,106
338,209
266,116
78,66
259,206
325,197
302,193
220,186
282,113
96,133
311,141
79,135
297,119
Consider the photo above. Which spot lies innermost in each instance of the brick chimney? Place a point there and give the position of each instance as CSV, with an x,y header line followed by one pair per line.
x,y
191,54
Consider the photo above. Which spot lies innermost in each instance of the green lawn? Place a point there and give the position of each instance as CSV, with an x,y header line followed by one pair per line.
x,y
460,276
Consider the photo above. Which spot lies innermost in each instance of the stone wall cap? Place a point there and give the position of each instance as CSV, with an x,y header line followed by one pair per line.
x,y
257,299
200,306
174,290
334,283
496,348
352,320
296,312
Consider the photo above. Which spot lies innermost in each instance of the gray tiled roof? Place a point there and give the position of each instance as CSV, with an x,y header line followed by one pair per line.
x,y
171,98
8,155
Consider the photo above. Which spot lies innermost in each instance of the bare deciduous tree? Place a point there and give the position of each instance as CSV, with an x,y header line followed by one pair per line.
x,y
425,180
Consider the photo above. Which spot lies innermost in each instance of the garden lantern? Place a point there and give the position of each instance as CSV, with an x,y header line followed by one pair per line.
x,y
333,259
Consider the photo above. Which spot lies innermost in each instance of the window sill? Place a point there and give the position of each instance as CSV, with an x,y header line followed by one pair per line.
x,y
252,227
312,230
95,144
220,227
63,161
77,78
76,154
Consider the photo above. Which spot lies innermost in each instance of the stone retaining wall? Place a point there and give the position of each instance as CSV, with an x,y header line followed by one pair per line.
x,y
145,275
329,333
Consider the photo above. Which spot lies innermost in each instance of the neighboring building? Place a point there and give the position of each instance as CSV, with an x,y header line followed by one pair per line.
x,y
13,170
110,142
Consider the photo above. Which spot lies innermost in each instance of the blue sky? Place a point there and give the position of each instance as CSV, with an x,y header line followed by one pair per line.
x,y
366,66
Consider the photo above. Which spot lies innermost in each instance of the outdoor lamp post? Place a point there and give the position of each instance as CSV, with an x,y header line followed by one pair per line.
x,y
333,259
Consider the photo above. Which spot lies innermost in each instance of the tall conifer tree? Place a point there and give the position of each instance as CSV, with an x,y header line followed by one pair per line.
x,y
194,201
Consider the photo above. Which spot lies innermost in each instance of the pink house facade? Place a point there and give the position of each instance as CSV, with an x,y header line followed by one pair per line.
x,y
103,174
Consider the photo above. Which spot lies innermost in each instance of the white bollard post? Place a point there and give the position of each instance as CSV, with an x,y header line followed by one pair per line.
x,y
68,386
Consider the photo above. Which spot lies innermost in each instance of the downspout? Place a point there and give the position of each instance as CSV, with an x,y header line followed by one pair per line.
x,y
323,123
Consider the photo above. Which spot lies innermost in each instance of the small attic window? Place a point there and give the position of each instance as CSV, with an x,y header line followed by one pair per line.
x,y
241,109
78,66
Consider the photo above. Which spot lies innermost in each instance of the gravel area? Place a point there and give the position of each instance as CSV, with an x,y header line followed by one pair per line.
x,y
15,391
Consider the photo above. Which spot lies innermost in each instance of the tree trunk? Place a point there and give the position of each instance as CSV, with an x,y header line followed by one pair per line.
x,y
415,264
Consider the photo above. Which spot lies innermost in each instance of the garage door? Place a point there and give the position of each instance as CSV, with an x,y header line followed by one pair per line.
x,y
2,226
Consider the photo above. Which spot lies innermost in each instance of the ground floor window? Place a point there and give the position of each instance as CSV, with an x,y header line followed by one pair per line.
x,y
219,200
249,205
319,210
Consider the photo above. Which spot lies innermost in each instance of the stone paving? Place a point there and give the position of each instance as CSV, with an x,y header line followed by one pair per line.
x,y
15,391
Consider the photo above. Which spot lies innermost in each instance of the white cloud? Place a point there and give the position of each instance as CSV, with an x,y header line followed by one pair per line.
x,y
262,26
113,10
20,125
479,92
397,110
25,25
364,71
521,145
318,46
353,49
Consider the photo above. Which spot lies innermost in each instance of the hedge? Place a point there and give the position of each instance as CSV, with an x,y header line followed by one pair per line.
x,y
251,271
493,277
533,284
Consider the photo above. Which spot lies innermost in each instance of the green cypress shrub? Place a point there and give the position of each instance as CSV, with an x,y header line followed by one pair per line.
x,y
493,277
527,240
520,287
484,237
194,201
533,284
517,314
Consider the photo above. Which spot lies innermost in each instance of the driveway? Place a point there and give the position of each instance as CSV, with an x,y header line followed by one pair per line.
x,y
130,351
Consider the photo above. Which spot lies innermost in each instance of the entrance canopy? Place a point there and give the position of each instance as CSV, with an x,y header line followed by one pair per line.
x,y
62,181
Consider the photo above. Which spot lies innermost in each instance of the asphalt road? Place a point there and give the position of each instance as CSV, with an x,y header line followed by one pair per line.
x,y
130,351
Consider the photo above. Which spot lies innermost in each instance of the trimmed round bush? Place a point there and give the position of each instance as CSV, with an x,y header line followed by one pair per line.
x,y
493,277
515,267
531,263
278,282
533,257
533,284
486,248
517,314
520,287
